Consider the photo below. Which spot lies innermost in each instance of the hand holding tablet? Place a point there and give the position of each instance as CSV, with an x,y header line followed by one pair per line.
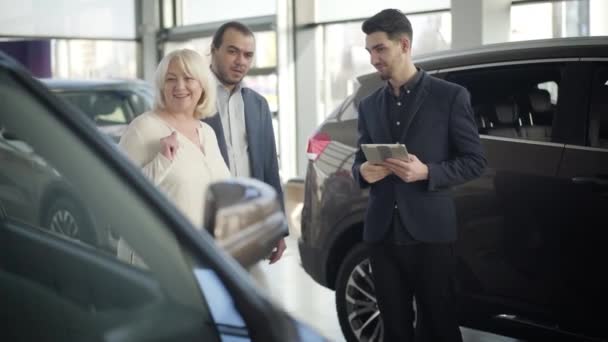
x,y
377,153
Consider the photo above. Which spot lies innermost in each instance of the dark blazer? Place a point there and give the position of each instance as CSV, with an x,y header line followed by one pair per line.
x,y
260,139
442,133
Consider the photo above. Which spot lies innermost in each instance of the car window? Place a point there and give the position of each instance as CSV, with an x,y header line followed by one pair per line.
x,y
598,132
57,286
514,101
104,107
141,102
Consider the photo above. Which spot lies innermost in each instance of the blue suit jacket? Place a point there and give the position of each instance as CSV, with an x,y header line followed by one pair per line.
x,y
442,133
260,139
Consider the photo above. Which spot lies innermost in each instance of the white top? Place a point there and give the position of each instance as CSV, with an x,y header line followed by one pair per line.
x,y
185,179
232,113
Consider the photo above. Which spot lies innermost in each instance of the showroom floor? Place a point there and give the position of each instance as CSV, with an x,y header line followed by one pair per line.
x,y
289,285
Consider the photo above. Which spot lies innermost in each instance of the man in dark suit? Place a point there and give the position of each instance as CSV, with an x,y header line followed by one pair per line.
x,y
410,224
243,125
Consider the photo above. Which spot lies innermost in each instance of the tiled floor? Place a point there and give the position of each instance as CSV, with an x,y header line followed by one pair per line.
x,y
288,284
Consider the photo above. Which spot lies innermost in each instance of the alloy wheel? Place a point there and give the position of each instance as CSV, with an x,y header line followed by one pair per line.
x,y
63,222
363,314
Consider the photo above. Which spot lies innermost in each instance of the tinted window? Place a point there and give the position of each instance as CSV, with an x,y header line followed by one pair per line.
x,y
54,287
140,103
514,101
105,108
598,132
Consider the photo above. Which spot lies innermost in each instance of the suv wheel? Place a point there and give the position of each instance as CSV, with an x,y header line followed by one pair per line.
x,y
356,298
65,217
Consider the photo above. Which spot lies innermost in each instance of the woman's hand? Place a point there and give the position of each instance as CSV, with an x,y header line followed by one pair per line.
x,y
169,146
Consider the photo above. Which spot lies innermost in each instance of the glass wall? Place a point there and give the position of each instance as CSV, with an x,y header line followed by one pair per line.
x,y
93,59
334,10
558,19
200,11
86,38
68,18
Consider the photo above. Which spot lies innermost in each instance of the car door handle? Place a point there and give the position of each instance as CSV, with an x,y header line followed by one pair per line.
x,y
590,180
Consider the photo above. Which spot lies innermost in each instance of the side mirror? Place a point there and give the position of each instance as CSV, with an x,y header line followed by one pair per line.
x,y
245,218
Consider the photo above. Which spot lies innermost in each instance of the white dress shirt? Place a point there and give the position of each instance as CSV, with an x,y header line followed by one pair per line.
x,y
232,113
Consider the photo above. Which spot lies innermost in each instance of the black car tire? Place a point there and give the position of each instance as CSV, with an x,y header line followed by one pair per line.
x,y
357,261
64,216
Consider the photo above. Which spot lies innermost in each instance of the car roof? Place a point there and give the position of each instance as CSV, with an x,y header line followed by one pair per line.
x,y
57,84
556,48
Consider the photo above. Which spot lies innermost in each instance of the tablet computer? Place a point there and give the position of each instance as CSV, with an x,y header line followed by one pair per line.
x,y
377,153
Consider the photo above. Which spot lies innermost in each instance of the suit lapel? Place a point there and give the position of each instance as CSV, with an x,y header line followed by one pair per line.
x,y
216,123
415,106
250,128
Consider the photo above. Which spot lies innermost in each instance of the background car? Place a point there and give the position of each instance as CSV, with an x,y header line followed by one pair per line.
x,y
186,288
532,235
35,191
111,104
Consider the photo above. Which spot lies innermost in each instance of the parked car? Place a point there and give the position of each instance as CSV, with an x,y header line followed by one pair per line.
x,y
186,288
111,104
532,229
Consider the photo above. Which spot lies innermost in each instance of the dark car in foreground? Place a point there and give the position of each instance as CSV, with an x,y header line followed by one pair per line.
x,y
185,287
111,104
532,230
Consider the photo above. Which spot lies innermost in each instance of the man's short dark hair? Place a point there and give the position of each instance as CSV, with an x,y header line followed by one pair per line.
x,y
392,21
218,36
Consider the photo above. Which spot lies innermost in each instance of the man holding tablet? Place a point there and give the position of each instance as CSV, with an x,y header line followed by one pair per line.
x,y
410,224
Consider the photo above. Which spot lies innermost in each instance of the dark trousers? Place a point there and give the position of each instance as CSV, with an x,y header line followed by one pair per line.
x,y
421,270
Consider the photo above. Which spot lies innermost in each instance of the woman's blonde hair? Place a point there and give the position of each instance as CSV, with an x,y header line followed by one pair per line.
x,y
194,65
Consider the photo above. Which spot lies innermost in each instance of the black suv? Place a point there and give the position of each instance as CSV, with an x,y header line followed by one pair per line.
x,y
111,104
532,229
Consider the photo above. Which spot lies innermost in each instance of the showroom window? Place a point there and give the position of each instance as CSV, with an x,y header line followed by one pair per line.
x,y
69,18
197,11
93,59
336,10
557,19
72,38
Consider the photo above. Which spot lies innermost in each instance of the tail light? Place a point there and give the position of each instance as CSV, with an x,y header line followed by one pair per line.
x,y
317,144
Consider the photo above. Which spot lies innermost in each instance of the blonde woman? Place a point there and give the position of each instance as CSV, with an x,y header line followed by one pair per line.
x,y
174,149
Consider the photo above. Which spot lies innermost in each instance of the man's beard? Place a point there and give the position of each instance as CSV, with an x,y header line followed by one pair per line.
x,y
227,81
